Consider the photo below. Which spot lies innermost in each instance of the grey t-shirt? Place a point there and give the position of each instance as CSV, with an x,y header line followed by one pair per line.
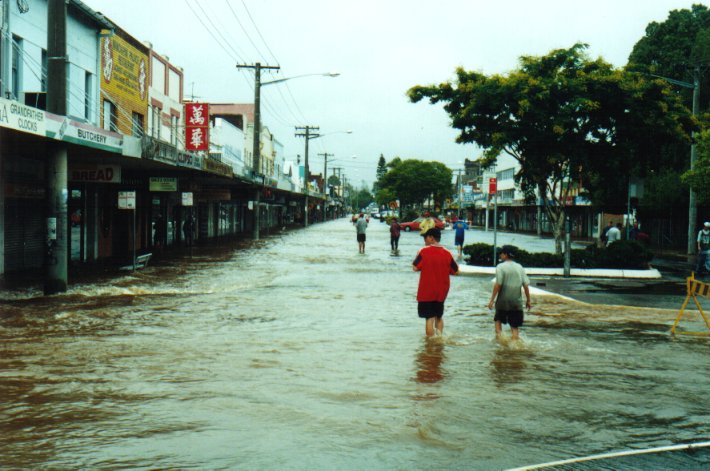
x,y
361,225
511,276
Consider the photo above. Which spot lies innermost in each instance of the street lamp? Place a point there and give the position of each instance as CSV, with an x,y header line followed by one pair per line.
x,y
692,204
256,136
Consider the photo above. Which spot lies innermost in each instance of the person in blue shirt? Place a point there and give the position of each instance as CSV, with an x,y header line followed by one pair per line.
x,y
460,227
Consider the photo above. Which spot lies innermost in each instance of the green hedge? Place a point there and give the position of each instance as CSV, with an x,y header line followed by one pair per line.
x,y
627,254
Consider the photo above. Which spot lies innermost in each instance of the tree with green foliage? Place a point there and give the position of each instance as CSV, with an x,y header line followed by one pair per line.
x,y
384,196
414,181
676,49
381,170
357,198
672,48
333,180
567,120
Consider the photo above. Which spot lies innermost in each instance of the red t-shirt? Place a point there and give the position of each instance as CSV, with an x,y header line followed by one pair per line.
x,y
435,264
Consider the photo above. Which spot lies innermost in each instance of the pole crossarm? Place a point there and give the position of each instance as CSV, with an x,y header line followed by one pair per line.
x,y
307,132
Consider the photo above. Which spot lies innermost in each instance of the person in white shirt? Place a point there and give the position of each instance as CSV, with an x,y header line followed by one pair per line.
x,y
613,234
703,248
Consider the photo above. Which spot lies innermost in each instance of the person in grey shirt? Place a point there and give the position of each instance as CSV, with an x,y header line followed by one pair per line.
x,y
510,279
360,228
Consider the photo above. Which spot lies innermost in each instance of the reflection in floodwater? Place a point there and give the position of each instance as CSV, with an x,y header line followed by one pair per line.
x,y
509,362
429,361
297,352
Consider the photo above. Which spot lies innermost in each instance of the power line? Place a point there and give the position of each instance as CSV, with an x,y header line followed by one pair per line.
x,y
219,31
245,31
273,56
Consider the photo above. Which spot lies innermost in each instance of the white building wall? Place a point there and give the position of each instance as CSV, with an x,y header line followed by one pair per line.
x,y
267,152
82,53
228,140
505,166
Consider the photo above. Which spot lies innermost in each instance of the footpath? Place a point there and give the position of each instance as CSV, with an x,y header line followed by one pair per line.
x,y
662,286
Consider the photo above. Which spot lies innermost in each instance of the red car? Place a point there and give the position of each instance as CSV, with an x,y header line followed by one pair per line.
x,y
414,225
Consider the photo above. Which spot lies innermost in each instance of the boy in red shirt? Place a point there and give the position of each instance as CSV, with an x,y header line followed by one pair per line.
x,y
435,263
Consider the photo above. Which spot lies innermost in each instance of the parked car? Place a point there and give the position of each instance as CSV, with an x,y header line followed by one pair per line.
x,y
414,225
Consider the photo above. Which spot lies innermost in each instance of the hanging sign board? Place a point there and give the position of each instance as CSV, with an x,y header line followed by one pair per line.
x,y
162,184
492,186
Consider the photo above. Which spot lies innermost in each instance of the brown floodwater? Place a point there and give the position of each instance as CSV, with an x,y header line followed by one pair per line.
x,y
296,352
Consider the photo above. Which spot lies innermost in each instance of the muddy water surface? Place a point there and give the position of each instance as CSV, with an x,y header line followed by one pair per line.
x,y
299,353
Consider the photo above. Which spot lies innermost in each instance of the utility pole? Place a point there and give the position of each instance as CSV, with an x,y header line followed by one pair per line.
x,y
305,131
325,181
698,70
335,195
692,205
256,148
459,188
57,192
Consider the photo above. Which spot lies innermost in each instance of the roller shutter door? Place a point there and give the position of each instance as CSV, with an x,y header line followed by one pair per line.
x,y
24,234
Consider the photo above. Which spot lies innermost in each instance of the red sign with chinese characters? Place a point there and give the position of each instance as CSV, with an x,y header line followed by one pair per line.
x,y
492,186
197,126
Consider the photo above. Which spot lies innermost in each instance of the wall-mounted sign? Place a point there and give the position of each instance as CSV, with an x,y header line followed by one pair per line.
x,y
126,200
162,184
23,118
218,168
197,122
187,198
96,174
123,102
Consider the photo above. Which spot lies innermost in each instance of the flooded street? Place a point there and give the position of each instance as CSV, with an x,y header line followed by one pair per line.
x,y
299,353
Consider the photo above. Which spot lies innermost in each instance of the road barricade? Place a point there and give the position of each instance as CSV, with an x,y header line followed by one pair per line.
x,y
694,289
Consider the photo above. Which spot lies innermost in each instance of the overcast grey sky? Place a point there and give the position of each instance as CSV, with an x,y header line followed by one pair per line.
x,y
380,48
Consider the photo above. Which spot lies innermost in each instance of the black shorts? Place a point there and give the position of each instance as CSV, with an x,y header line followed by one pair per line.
x,y
458,240
361,237
514,318
427,309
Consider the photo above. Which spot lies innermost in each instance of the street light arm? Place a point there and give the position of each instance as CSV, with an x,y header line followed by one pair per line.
x,y
680,83
326,74
316,136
